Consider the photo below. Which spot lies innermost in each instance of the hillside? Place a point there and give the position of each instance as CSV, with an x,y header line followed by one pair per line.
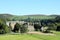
x,y
34,17
6,16
15,17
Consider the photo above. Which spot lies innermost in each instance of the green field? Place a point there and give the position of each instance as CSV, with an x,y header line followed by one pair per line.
x,y
30,37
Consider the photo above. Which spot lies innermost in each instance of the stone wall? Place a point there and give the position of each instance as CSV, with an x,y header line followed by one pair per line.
x,y
12,23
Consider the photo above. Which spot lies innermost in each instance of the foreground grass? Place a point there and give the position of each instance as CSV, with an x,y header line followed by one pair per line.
x,y
30,37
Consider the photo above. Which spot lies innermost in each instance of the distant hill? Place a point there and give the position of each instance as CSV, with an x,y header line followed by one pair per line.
x,y
6,16
37,16
15,17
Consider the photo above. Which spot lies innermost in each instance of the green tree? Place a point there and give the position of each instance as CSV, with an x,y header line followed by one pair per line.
x,y
3,28
17,27
23,28
57,19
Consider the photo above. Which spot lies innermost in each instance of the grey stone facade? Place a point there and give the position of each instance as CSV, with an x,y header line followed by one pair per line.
x,y
12,23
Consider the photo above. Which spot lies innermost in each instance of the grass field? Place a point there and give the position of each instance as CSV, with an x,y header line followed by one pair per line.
x,y
30,37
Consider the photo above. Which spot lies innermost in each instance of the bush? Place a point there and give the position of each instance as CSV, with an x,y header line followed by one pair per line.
x,y
4,28
45,29
23,28
17,27
2,31
58,28
7,29
37,27
20,28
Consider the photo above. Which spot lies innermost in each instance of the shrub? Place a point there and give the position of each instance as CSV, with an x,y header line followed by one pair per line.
x,y
7,29
37,27
4,28
45,29
23,28
20,28
17,27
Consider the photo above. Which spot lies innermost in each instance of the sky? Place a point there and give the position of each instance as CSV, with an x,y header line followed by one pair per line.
x,y
28,7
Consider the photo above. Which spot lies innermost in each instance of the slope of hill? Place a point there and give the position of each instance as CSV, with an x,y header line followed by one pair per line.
x,y
15,17
34,17
6,16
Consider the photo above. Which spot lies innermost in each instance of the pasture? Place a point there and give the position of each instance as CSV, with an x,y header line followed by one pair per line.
x,y
30,36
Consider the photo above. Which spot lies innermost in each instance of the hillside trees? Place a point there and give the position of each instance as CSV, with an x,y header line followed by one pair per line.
x,y
57,22
37,27
3,27
57,19
22,28
17,27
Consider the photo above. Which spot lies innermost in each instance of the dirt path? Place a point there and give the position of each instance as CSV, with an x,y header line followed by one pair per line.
x,y
40,33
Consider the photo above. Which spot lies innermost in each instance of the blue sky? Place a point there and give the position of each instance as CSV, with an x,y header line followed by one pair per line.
x,y
26,7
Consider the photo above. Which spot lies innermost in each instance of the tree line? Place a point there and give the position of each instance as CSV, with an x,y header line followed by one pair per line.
x,y
48,24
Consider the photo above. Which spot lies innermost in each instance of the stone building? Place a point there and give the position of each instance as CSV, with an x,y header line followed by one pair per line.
x,y
12,23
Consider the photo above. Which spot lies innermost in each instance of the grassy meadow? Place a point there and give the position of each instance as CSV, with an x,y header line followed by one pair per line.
x,y
56,36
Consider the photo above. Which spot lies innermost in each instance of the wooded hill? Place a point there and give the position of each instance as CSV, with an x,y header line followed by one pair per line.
x,y
10,17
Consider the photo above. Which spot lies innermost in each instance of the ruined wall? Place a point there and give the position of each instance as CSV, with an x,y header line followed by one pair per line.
x,y
12,23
